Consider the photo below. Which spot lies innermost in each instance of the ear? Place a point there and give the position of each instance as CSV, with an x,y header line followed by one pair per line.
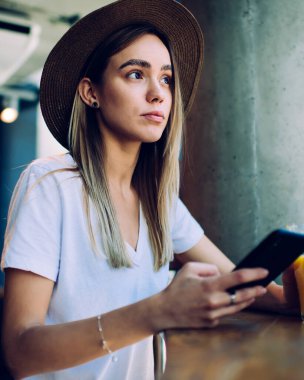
x,y
87,92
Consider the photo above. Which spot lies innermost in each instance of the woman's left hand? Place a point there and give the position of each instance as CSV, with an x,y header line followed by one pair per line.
x,y
290,291
281,298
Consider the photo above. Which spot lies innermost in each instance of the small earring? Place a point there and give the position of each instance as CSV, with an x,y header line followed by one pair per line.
x,y
95,105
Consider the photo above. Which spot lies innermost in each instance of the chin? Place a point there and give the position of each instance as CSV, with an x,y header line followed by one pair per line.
x,y
151,139
152,135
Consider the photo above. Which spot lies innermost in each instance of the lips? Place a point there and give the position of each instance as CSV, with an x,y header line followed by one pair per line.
x,y
156,116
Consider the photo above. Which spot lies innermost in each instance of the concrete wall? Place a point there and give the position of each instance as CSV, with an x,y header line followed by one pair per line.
x,y
246,129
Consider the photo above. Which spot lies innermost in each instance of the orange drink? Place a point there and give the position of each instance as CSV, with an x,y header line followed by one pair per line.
x,y
298,266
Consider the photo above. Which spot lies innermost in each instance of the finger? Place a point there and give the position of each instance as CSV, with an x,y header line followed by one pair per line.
x,y
201,269
222,299
241,276
238,307
228,310
247,294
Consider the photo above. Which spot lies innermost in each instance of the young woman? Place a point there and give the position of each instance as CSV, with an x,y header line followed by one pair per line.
x,y
91,233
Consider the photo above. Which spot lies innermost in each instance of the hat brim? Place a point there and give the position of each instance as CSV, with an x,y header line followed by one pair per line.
x,y
61,72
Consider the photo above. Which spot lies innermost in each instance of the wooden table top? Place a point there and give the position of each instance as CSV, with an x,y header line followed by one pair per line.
x,y
246,346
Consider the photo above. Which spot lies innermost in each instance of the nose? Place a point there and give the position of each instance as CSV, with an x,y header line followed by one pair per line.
x,y
155,92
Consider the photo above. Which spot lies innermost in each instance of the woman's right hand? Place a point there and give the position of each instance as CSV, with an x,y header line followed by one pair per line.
x,y
197,296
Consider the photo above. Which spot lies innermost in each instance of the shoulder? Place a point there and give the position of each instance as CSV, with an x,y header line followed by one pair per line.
x,y
178,208
54,163
53,168
47,173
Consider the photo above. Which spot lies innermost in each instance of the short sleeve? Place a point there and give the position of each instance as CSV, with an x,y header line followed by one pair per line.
x,y
32,237
186,232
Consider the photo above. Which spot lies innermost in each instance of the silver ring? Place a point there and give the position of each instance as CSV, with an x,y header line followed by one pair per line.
x,y
232,298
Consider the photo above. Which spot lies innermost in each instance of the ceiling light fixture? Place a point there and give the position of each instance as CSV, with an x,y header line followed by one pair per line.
x,y
10,111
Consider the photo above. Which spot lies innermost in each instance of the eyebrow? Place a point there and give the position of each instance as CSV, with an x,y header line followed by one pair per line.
x,y
142,63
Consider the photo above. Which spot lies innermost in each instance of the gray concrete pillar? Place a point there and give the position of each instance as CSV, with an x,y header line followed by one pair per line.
x,y
245,132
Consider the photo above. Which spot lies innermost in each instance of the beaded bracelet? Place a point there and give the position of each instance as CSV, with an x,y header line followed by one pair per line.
x,y
103,342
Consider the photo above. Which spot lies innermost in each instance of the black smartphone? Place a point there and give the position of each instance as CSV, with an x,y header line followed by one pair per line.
x,y
275,253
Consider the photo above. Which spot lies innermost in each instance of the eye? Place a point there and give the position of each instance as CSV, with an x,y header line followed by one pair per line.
x,y
166,80
135,75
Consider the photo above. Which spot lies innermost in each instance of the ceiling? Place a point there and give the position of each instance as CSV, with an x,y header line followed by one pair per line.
x,y
28,31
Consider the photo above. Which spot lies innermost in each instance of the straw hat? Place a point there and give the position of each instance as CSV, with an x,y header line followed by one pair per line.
x,y
61,72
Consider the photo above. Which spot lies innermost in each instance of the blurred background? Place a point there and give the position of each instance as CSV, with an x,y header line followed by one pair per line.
x,y
28,31
243,172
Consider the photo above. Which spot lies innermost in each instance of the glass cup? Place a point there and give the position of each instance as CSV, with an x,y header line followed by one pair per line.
x,y
298,266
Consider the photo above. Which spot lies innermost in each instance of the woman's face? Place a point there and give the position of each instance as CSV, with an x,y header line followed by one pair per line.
x,y
135,94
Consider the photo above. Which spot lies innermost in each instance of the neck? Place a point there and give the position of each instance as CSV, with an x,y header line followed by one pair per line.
x,y
120,162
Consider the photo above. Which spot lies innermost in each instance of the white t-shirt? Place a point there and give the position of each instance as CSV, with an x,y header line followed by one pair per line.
x,y
48,235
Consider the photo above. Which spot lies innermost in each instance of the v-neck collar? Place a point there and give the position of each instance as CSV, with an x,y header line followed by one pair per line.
x,y
136,253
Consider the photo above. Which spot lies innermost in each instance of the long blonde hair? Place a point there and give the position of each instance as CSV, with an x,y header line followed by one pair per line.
x,y
156,176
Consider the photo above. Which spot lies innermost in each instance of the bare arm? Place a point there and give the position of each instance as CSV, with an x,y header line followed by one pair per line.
x,y
31,347
196,298
207,252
